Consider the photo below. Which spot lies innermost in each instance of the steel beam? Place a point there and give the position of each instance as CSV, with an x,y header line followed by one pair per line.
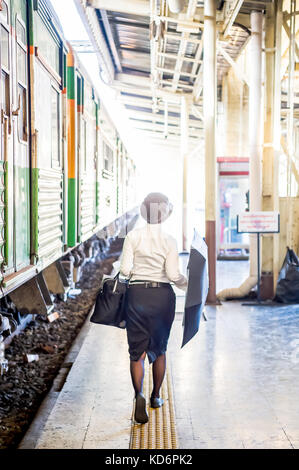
x,y
183,45
131,79
171,71
209,112
111,40
146,91
177,37
232,16
176,6
234,65
132,7
174,57
159,127
90,20
155,117
270,160
185,108
255,126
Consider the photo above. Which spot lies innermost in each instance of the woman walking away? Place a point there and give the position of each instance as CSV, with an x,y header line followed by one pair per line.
x,y
150,259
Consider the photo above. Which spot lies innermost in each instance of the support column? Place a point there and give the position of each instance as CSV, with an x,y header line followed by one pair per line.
x,y
185,106
270,195
209,111
255,127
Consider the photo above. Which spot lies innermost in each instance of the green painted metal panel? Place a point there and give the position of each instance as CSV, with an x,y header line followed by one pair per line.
x,y
72,212
80,91
70,83
22,216
30,23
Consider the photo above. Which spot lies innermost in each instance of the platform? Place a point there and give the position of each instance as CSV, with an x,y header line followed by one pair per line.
x,y
235,385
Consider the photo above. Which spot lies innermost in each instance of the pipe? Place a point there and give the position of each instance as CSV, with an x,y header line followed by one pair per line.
x,y
255,148
185,107
176,6
238,292
232,16
209,113
255,111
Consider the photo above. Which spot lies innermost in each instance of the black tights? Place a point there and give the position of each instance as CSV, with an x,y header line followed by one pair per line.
x,y
137,374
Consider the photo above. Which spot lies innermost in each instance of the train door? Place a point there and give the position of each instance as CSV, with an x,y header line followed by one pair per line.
x,y
14,79
20,144
6,230
233,199
86,108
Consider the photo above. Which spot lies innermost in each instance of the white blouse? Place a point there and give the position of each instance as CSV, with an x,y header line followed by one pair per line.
x,y
151,254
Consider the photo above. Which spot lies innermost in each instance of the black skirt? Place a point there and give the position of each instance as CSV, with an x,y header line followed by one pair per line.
x,y
149,315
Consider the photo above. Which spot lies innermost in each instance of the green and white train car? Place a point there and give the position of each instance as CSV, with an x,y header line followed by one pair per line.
x,y
63,177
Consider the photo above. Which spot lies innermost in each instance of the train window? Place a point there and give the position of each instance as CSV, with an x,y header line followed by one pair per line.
x,y
21,32
21,52
5,93
4,12
5,48
22,113
83,145
55,112
89,104
21,64
90,145
108,158
46,43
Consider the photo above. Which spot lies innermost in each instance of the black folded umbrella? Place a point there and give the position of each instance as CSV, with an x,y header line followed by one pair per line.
x,y
198,286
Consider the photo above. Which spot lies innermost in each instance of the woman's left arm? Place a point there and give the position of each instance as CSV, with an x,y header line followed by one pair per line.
x,y
127,258
172,266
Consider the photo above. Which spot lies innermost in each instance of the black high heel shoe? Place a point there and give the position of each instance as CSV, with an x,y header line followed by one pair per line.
x,y
156,402
141,415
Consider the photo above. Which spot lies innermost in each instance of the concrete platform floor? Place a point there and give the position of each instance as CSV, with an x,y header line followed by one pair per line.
x,y
235,384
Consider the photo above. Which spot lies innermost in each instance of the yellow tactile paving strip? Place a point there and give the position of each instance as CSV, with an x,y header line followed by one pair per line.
x,y
160,431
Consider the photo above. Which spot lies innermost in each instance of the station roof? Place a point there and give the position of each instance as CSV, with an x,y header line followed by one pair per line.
x,y
156,56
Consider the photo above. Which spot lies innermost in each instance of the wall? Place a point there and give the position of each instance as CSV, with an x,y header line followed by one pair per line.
x,y
289,226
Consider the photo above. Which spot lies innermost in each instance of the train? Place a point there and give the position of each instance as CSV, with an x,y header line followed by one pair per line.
x,y
67,182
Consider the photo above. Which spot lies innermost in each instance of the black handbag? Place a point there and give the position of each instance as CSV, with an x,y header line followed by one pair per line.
x,y
110,303
287,289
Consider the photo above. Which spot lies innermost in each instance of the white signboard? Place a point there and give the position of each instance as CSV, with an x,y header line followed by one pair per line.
x,y
258,222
